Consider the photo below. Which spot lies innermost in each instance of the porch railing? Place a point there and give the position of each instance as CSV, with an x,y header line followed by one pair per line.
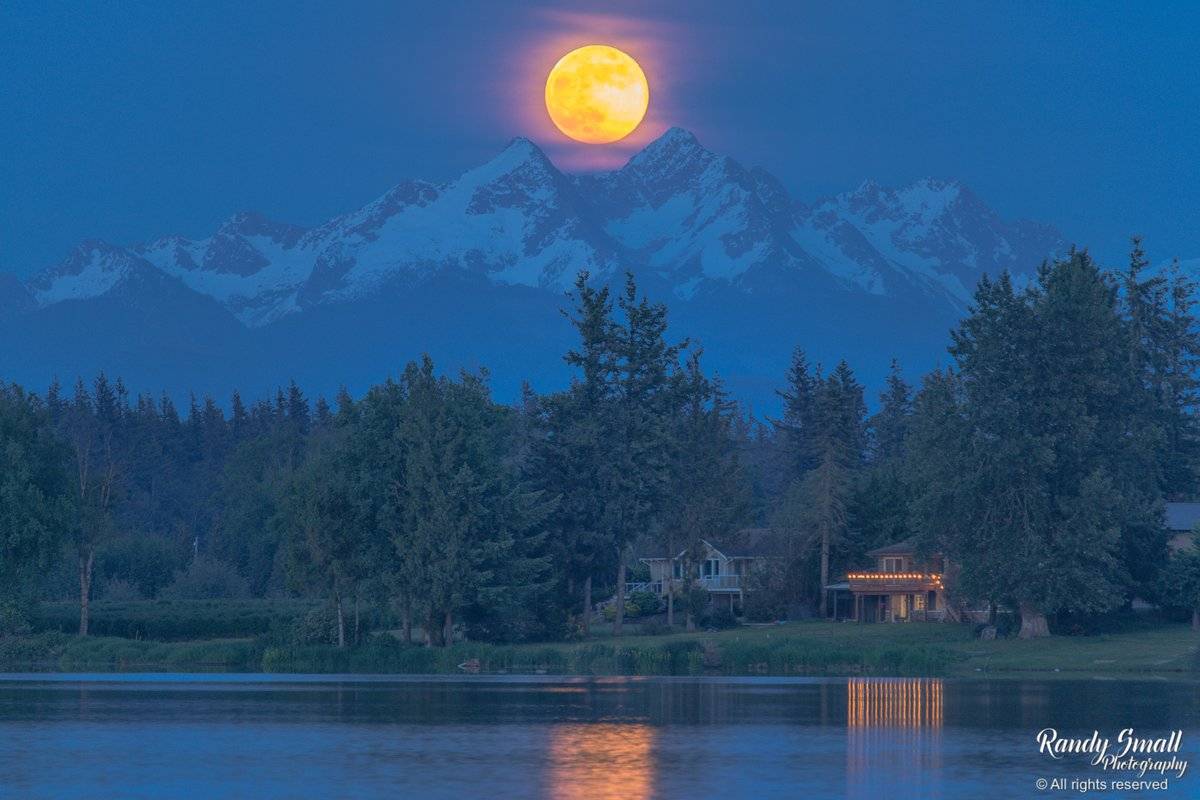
x,y
710,582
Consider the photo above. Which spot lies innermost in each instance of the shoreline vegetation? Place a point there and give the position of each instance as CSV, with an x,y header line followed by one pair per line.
x,y
292,536
1142,648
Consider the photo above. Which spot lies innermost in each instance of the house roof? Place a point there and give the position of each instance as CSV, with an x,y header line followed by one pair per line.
x,y
746,543
906,547
1182,516
749,543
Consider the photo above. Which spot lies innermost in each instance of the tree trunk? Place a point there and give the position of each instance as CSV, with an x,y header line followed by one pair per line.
x,y
1033,622
619,617
824,570
341,620
587,606
406,624
1196,619
356,619
85,589
433,629
670,603
448,630
687,593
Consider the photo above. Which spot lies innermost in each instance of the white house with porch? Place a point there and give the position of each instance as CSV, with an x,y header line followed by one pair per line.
x,y
723,568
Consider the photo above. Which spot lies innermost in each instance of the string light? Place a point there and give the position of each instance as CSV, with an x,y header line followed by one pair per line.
x,y
895,576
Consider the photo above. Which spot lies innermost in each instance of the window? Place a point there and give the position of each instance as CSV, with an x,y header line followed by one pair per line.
x,y
678,569
712,567
892,564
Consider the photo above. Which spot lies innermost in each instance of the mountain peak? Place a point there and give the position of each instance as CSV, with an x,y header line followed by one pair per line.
x,y
252,223
676,145
677,137
517,152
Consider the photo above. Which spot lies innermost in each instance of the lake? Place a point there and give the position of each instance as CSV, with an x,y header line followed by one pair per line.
x,y
262,736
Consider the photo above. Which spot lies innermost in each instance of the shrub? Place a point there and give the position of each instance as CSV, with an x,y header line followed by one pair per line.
x,y
177,619
654,628
318,626
610,611
148,563
647,603
119,589
207,579
719,618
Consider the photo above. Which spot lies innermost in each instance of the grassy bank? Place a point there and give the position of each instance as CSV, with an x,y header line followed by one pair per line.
x,y
809,648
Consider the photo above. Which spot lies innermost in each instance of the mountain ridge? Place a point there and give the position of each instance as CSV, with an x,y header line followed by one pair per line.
x,y
726,246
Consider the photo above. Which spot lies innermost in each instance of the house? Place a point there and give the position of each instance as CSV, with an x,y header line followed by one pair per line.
x,y
902,587
723,568
1182,519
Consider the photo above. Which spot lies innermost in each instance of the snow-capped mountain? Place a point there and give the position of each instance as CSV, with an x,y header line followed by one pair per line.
x,y
748,270
935,234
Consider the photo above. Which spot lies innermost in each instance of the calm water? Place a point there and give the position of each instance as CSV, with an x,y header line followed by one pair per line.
x,y
210,736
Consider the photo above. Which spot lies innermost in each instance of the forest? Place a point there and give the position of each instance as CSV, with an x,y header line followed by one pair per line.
x,y
1038,460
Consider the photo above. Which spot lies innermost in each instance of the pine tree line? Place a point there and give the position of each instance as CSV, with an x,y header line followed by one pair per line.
x,y
1038,464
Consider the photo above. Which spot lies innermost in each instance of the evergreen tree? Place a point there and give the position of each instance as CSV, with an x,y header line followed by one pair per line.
x,y
573,453
798,426
813,512
889,426
35,497
461,515
637,471
1033,496
1181,584
326,548
94,431
707,497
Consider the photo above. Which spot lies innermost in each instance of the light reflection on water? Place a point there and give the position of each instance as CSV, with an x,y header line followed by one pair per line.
x,y
601,761
341,736
894,734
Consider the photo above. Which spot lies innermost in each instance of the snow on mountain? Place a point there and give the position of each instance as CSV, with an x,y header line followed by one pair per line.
x,y
513,219
693,216
92,269
695,220
937,234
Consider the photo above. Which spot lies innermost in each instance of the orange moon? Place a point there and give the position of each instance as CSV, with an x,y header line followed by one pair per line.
x,y
597,94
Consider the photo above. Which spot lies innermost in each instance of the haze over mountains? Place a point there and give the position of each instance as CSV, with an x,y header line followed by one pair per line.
x,y
474,271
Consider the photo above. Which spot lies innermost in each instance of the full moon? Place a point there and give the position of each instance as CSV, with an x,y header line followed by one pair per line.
x,y
597,94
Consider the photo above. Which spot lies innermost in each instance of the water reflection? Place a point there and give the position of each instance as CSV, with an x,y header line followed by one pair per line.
x,y
894,735
601,760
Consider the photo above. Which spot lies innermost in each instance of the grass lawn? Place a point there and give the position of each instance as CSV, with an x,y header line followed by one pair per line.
x,y
1151,648
1144,648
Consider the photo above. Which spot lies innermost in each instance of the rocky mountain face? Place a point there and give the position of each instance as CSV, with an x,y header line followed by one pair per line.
x,y
442,268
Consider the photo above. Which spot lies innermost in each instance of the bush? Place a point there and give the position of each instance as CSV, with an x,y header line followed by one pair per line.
x,y
647,603
696,600
148,563
610,611
207,579
318,626
166,620
1007,625
719,618
654,628
119,589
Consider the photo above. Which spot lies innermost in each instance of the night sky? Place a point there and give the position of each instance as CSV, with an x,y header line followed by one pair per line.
x,y
126,122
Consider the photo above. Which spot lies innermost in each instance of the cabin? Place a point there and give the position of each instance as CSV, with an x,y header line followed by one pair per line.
x,y
1182,519
723,570
902,587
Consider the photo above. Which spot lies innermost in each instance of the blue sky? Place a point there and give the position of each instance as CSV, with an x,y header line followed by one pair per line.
x,y
129,121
